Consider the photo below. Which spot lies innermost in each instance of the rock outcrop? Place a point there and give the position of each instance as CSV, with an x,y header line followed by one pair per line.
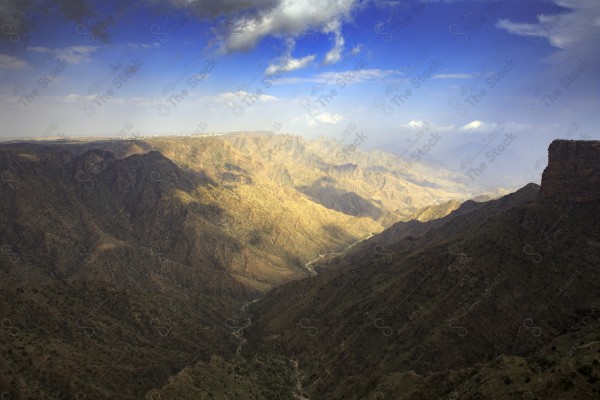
x,y
573,171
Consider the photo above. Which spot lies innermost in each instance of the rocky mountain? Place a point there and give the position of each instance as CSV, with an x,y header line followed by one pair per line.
x,y
573,170
120,267
124,261
258,219
499,300
381,186
99,293
128,262
435,211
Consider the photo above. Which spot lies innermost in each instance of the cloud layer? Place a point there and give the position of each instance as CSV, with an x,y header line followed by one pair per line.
x,y
287,18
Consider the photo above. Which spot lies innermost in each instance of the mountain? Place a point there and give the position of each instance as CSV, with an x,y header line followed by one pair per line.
x,y
436,211
498,301
573,170
121,259
119,268
100,295
185,268
378,185
256,220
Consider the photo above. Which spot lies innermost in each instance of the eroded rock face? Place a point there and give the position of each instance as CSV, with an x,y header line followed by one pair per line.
x,y
573,171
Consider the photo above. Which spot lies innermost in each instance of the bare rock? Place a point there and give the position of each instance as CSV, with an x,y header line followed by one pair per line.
x,y
573,171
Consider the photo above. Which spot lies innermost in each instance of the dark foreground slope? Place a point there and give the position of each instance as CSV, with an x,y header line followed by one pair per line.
x,y
103,291
491,305
497,301
509,286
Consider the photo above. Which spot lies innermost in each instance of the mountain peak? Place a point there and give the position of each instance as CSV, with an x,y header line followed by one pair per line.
x,y
573,171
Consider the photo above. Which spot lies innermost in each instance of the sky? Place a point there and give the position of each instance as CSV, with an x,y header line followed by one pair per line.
x,y
479,87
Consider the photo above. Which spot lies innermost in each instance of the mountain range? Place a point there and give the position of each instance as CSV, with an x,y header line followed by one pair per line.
x,y
260,266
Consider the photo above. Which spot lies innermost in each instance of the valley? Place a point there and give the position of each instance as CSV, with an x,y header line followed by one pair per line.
x,y
481,303
148,250
186,268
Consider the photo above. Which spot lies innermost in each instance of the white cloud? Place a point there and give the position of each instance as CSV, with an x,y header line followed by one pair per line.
x,y
328,118
416,125
356,49
288,64
335,54
70,55
481,126
281,18
348,76
242,95
574,33
453,76
11,62
473,125
562,29
325,118
252,21
246,22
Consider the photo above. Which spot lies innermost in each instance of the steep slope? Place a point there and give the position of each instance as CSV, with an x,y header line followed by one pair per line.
x,y
263,213
435,211
261,221
502,288
459,307
116,272
102,292
496,300
468,216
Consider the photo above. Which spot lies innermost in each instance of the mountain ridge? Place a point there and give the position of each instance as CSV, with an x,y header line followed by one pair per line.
x,y
169,258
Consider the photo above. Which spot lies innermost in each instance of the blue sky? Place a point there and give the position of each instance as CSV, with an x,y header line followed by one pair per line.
x,y
474,72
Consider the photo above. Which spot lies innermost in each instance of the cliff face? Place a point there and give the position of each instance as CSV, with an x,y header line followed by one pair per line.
x,y
573,171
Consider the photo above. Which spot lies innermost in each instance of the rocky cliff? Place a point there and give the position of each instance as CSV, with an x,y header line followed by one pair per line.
x,y
573,171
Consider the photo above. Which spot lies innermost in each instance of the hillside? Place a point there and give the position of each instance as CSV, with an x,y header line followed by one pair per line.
x,y
436,211
123,266
126,263
105,288
121,258
496,300
374,184
255,220
493,284
461,300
